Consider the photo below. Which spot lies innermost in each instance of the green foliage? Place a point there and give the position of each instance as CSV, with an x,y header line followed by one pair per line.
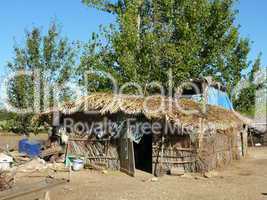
x,y
13,122
4,115
245,102
191,39
44,61
255,68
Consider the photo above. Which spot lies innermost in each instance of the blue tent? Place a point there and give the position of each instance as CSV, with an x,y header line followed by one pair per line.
x,y
219,98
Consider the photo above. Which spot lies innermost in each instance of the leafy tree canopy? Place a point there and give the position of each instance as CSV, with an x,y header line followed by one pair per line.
x,y
191,39
44,61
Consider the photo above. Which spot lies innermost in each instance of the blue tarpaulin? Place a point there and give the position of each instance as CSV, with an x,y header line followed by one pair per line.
x,y
219,98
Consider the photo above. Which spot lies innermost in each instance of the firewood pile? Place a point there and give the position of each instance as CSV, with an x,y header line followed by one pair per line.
x,y
6,180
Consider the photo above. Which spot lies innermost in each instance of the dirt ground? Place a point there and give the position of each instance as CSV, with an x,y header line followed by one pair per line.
x,y
244,180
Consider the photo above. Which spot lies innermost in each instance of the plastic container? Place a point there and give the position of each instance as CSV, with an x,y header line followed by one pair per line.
x,y
32,148
78,164
22,145
5,162
4,166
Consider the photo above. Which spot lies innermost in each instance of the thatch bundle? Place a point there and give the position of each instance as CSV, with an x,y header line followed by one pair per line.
x,y
183,111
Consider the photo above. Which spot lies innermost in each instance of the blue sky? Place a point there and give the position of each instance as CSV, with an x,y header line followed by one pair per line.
x,y
79,22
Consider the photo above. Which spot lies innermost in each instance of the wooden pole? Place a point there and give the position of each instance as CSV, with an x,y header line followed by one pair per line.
x,y
251,138
162,145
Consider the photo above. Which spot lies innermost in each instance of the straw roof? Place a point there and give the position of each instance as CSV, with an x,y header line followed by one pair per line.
x,y
183,111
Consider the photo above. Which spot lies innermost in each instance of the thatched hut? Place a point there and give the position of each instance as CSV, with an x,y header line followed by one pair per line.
x,y
178,134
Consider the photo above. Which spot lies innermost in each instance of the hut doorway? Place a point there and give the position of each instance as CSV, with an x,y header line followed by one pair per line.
x,y
143,154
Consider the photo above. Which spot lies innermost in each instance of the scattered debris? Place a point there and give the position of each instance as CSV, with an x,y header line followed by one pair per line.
x,y
177,171
19,158
188,175
5,162
60,159
31,156
7,180
58,167
55,150
154,179
198,177
195,176
210,174
34,165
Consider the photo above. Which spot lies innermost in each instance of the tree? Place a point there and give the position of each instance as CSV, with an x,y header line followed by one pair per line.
x,y
255,68
245,103
43,62
246,100
191,39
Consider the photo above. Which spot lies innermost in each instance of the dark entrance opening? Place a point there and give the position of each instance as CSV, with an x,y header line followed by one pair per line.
x,y
143,154
189,90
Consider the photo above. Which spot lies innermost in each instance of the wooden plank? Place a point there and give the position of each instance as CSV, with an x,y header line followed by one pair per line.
x,y
131,158
51,151
127,164
251,139
162,150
